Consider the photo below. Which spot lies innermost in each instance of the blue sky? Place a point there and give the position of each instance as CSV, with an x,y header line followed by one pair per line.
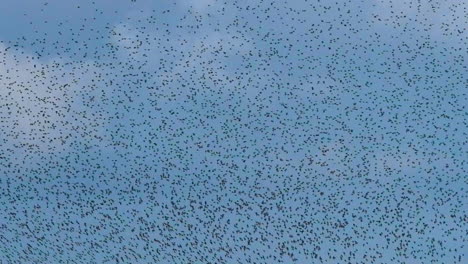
x,y
233,132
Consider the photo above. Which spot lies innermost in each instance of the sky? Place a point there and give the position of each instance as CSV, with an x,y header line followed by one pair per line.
x,y
207,131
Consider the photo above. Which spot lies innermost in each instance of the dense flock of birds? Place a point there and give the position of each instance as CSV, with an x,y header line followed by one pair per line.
x,y
237,132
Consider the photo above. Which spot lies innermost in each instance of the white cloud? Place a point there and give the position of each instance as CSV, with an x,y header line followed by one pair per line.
x,y
172,58
43,103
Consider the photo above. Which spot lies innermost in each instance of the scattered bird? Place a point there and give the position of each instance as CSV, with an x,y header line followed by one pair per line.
x,y
235,132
